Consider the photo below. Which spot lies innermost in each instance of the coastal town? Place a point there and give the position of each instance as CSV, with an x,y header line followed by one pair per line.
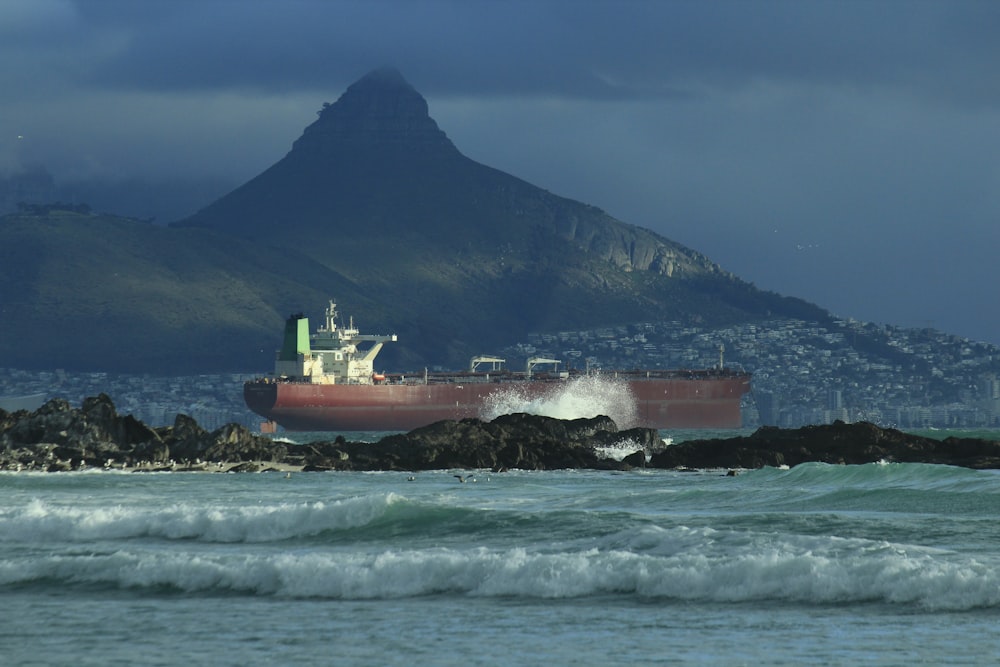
x,y
803,373
811,373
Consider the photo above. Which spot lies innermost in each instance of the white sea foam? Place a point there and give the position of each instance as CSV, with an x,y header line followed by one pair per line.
x,y
679,563
620,450
41,521
586,396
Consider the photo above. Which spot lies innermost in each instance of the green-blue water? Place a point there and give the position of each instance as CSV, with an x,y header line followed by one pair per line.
x,y
894,564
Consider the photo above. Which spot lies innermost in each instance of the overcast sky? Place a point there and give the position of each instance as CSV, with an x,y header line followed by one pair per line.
x,y
845,152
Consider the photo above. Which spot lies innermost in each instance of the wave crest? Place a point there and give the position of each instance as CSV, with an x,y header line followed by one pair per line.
x,y
41,521
691,564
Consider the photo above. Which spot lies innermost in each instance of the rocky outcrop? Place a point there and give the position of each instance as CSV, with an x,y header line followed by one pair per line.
x,y
520,441
59,437
380,109
836,443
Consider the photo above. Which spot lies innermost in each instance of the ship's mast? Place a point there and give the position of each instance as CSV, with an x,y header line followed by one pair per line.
x,y
331,317
339,356
331,325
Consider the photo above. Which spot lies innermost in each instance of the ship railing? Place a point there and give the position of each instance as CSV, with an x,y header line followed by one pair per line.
x,y
505,376
674,373
466,377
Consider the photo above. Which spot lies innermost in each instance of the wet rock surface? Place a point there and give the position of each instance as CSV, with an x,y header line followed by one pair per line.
x,y
837,443
519,440
58,437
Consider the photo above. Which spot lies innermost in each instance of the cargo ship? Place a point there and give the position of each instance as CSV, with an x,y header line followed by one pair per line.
x,y
326,381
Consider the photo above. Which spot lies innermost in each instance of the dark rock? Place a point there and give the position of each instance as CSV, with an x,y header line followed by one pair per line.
x,y
511,441
635,460
233,442
188,437
836,443
247,466
58,437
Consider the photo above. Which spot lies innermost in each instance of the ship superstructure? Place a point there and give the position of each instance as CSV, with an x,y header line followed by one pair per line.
x,y
332,355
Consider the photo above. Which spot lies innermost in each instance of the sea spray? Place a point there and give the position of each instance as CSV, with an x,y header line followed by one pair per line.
x,y
581,397
619,450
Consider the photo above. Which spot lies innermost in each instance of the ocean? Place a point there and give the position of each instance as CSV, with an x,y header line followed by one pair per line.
x,y
881,564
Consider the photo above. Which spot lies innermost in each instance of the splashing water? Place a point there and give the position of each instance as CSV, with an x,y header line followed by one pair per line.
x,y
587,396
621,449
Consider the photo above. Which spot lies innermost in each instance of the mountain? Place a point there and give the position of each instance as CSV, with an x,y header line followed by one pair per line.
x,y
457,256
375,207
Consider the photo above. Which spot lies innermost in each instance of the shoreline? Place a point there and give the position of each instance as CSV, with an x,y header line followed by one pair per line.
x,y
156,467
215,467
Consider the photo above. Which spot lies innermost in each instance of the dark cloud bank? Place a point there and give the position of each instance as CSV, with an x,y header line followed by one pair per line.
x,y
843,152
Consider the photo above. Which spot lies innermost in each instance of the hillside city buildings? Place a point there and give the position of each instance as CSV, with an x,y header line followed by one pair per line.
x,y
803,373
808,373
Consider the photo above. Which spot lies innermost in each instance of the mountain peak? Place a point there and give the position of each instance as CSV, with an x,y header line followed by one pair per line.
x,y
381,109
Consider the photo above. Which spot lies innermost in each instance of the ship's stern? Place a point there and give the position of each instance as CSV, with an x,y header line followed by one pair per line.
x,y
261,396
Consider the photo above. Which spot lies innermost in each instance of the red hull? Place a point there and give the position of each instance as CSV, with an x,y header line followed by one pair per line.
x,y
674,400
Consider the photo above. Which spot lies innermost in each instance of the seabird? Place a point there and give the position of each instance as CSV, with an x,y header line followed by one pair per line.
x,y
465,479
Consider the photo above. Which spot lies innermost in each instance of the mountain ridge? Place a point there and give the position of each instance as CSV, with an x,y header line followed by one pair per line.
x,y
372,206
379,137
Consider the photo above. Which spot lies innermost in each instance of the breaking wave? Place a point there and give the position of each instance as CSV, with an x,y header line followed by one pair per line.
x,y
581,397
40,521
691,564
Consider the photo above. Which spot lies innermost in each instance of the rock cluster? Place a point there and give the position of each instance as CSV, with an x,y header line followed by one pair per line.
x,y
511,441
837,443
58,437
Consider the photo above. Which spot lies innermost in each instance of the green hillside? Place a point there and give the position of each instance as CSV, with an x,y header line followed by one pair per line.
x,y
101,292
